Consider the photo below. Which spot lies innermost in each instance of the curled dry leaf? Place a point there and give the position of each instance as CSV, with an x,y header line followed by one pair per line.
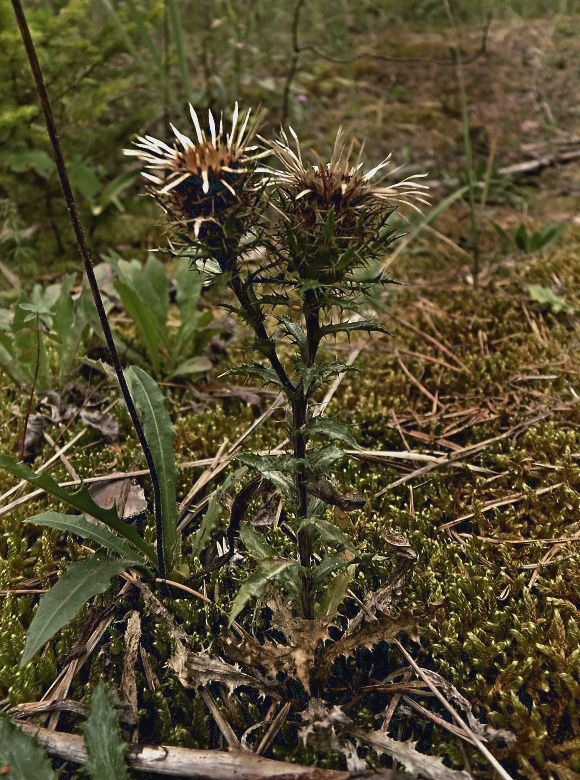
x,y
103,422
399,544
32,444
326,491
122,493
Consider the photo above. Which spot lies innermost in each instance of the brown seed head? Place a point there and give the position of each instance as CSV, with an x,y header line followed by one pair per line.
x,y
201,182
332,207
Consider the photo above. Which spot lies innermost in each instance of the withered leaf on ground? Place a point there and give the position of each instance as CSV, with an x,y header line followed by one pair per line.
x,y
481,729
122,493
296,657
103,422
128,690
33,439
319,726
429,767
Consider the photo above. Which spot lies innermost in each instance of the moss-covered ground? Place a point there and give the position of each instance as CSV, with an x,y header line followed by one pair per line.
x,y
483,378
495,597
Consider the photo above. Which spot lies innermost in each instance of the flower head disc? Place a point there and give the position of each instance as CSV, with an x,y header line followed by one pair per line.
x,y
201,181
334,208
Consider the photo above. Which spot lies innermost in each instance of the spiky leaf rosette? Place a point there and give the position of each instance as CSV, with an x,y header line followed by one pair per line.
x,y
334,215
206,186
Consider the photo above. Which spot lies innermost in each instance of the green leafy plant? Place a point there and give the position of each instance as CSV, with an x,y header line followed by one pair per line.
x,y
550,300
528,240
118,544
41,336
25,759
144,291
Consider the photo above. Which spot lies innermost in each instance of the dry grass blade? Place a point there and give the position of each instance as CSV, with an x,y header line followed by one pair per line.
x,y
508,501
225,728
469,733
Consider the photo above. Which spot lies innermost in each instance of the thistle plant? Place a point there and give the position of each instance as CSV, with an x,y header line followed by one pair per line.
x,y
296,243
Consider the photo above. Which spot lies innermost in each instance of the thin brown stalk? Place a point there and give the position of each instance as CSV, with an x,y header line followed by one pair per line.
x,y
86,256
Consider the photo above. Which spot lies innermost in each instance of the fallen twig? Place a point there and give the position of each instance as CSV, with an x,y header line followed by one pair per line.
x,y
202,764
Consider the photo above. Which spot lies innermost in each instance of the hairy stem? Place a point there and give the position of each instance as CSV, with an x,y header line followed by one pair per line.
x,y
85,254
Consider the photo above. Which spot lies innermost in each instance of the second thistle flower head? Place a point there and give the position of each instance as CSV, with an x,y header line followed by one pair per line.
x,y
334,212
201,182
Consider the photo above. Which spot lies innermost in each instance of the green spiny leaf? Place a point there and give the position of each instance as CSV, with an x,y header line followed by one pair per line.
x,y
333,429
266,467
269,570
22,754
105,747
329,532
255,543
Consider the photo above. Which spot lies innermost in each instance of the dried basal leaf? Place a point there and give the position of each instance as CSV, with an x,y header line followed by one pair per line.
x,y
295,658
196,670
125,494
128,680
380,601
429,767
319,726
385,628
488,733
32,445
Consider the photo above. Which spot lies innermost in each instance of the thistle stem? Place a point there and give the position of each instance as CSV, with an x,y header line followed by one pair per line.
x,y
256,319
86,256
299,420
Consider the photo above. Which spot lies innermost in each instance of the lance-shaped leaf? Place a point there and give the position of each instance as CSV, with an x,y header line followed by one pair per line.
x,y
294,329
22,755
79,499
105,747
353,327
81,581
255,543
267,468
335,593
329,532
255,371
160,434
269,570
79,525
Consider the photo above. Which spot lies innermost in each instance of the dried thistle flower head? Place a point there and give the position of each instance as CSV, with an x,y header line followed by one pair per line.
x,y
333,208
200,182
